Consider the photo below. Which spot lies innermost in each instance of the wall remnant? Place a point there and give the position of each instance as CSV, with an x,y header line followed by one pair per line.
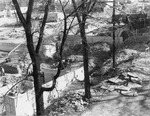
x,y
24,104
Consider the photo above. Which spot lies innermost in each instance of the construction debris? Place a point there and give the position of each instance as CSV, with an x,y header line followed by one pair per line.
x,y
116,81
125,84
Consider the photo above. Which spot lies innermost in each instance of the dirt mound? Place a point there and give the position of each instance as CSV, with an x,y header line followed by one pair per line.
x,y
138,43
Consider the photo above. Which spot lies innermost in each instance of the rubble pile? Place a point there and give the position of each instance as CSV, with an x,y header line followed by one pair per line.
x,y
126,83
69,104
13,33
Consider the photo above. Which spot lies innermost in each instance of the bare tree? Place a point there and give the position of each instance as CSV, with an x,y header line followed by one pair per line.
x,y
81,14
35,49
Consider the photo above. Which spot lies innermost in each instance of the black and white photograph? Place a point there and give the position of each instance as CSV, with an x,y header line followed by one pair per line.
x,y
74,57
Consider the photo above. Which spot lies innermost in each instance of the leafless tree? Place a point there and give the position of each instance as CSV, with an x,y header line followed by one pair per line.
x,y
35,49
81,14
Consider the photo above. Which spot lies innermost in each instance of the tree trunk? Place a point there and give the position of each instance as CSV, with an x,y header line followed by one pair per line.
x,y
85,60
114,46
85,8
34,52
38,80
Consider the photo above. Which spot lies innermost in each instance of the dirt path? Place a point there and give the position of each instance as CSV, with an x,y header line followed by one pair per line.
x,y
116,104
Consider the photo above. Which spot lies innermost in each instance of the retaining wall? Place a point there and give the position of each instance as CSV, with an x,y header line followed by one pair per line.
x,y
24,104
20,105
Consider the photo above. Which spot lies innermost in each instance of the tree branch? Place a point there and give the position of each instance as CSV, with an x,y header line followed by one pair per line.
x,y
70,26
77,14
43,26
65,4
20,15
29,12
63,9
91,6
75,10
65,33
60,61
88,5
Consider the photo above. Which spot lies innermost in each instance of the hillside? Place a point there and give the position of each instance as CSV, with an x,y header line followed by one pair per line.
x,y
123,91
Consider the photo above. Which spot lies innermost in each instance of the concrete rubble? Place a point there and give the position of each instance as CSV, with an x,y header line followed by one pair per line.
x,y
124,84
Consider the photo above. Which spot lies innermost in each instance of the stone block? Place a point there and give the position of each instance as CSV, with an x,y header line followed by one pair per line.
x,y
6,100
122,88
24,105
61,84
129,93
79,74
7,107
12,110
8,114
19,105
134,85
46,98
109,88
55,94
116,81
70,77
12,101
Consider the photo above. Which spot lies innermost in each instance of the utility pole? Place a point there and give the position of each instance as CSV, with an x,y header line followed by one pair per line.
x,y
114,46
